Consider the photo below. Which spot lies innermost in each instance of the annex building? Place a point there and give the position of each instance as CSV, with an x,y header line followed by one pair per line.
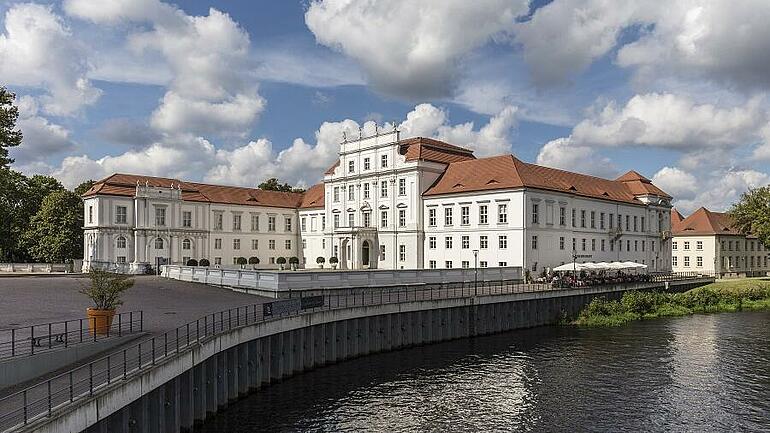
x,y
707,242
386,203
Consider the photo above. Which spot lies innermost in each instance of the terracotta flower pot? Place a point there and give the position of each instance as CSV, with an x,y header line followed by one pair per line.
x,y
99,321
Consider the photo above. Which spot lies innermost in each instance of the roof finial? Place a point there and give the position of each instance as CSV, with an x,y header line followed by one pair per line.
x,y
360,133
344,137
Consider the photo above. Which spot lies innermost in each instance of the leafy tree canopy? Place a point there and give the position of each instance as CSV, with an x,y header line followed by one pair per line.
x,y
752,213
273,184
9,136
55,232
83,187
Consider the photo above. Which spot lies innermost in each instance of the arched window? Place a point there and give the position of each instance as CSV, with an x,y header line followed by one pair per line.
x,y
121,242
158,243
186,244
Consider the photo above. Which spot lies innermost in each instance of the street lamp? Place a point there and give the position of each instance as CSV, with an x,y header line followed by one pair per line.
x,y
475,272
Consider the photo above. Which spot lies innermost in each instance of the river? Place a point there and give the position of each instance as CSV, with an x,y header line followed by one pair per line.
x,y
699,373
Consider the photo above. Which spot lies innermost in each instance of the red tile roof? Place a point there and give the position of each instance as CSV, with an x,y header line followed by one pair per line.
x,y
506,171
676,219
313,197
125,185
705,222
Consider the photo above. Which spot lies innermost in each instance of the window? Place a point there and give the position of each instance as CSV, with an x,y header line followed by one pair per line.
x,y
402,217
628,245
271,244
502,242
612,220
432,217
336,194
367,163
272,260
448,242
287,222
502,264
636,245
255,244
643,246
218,261
628,223
687,245
186,244
674,245
465,215
236,223
382,252
351,193
432,242
465,242
642,223
366,190
593,219
601,221
367,219
121,213
236,244
90,214
561,243
574,244
384,161
218,221
287,244
218,244
384,189
535,213
483,264
351,166
502,214
122,259
465,264
158,243
402,253
447,216
336,220
620,222
674,261
383,219
686,261
160,216
121,242
573,218
186,219
699,261
432,264
483,242
323,243
635,222
582,218
562,216
612,245
699,245
583,244
304,244
323,222
448,264
534,242
593,244
303,224
402,187
271,223
603,243
351,219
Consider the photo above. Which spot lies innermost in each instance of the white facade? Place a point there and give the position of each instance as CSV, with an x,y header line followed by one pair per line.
x,y
723,254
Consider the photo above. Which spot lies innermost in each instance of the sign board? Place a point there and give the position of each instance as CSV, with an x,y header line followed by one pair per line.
x,y
288,306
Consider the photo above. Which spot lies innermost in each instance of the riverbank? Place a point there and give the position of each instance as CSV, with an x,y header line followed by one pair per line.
x,y
722,296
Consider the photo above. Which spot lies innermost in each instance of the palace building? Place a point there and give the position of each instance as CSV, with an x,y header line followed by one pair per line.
x,y
708,242
387,203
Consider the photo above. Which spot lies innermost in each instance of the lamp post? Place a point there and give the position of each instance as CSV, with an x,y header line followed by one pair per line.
x,y
475,272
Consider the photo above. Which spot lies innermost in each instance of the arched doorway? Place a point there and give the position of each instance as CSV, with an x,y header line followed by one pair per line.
x,y
365,247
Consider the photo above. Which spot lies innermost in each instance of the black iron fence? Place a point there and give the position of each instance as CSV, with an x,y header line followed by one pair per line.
x,y
42,399
34,339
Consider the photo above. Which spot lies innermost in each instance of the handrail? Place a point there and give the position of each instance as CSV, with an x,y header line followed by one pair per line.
x,y
34,339
42,399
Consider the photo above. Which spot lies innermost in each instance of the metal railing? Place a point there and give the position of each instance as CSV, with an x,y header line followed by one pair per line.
x,y
35,339
42,399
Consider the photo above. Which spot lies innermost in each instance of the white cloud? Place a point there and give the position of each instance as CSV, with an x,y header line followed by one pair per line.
x,y
42,138
37,49
562,153
677,182
407,48
180,113
114,11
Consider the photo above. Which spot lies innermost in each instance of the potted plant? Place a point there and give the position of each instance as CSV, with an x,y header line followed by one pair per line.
x,y
333,261
254,261
281,261
192,262
204,262
104,290
294,262
320,260
241,261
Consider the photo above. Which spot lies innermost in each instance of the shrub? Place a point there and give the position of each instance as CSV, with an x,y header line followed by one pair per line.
x,y
106,289
333,260
281,260
641,303
241,261
253,260
698,299
294,260
204,262
192,262
320,260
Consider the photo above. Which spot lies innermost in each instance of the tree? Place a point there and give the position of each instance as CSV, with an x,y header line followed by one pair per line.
x,y
12,186
9,137
273,184
84,187
55,232
751,214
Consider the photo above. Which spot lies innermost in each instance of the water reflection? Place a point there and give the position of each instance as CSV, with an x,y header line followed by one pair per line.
x,y
699,373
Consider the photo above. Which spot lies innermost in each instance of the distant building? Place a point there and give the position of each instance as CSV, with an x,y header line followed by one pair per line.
x,y
392,204
707,242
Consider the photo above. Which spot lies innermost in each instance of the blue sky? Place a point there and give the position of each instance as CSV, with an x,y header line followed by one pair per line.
x,y
235,92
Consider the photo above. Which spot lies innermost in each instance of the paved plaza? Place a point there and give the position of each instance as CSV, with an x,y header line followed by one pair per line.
x,y
166,303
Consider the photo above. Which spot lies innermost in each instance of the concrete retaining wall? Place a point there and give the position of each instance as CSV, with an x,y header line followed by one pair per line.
x,y
183,391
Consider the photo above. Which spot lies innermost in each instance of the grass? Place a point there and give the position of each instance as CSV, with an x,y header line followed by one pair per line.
x,y
721,296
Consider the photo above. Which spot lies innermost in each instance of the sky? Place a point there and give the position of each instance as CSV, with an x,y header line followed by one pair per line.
x,y
234,92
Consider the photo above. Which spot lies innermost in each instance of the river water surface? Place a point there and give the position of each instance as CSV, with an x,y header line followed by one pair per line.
x,y
699,373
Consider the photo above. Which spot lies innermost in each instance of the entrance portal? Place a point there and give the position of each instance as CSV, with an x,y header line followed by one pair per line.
x,y
365,254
